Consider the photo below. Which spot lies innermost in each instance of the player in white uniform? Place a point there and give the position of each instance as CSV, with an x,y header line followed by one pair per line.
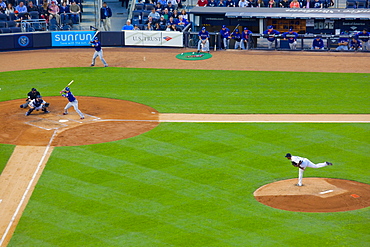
x,y
302,163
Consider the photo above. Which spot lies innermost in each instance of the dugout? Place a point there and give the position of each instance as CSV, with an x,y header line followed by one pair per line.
x,y
328,21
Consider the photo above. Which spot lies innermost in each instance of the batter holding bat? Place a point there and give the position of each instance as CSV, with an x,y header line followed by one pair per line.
x,y
72,102
302,163
98,52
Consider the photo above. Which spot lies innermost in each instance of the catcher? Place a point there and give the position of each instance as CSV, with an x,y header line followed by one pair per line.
x,y
37,104
30,96
203,40
302,163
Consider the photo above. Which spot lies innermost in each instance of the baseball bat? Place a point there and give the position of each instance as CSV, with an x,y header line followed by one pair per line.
x,y
96,33
215,48
68,84
235,28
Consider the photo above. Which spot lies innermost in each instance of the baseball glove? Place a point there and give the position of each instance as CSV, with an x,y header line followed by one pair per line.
x,y
47,104
294,164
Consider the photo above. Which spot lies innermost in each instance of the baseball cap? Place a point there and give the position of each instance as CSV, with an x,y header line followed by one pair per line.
x,y
33,89
290,29
223,26
16,12
270,27
237,30
203,28
245,28
318,36
96,38
288,155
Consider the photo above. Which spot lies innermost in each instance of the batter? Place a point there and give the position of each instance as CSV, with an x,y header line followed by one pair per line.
x,y
72,102
302,163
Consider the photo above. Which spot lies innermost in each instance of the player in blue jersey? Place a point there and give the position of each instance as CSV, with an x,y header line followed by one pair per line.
x,y
291,36
364,36
203,40
72,102
318,43
225,35
237,37
246,36
98,52
270,33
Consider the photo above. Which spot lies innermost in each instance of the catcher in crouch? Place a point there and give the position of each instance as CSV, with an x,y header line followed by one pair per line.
x,y
203,40
302,163
37,104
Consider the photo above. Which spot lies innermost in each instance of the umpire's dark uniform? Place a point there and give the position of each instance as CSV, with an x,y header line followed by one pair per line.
x,y
30,96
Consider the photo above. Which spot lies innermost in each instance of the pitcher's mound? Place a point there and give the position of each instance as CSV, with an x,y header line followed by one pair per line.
x,y
316,195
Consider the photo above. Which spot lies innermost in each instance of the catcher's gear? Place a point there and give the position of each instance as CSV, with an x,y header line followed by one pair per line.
x,y
46,104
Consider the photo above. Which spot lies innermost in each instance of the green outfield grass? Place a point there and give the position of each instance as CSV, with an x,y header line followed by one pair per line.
x,y
192,184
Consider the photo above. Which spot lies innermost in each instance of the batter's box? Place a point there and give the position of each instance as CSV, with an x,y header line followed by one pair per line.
x,y
45,124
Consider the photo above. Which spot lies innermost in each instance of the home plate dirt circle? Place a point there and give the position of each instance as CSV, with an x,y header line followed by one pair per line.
x,y
317,195
105,120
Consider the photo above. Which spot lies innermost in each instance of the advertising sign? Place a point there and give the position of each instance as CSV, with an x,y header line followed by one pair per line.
x,y
71,38
153,38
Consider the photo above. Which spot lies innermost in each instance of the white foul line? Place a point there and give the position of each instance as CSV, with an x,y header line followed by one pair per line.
x,y
27,189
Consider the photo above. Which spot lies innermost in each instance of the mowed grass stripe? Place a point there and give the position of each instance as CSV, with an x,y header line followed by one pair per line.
x,y
114,194
203,91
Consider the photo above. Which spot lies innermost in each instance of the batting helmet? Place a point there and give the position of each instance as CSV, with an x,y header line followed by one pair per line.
x,y
67,89
96,38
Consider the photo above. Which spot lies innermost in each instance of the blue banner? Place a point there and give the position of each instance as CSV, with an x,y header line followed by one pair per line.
x,y
71,38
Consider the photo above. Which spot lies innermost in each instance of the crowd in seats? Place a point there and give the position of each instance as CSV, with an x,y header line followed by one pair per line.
x,y
268,3
58,14
164,15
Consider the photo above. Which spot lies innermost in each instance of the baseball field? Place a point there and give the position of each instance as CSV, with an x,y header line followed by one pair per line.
x,y
192,184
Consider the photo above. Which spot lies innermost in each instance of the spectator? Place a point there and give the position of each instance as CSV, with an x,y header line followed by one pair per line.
x,y
54,12
364,36
17,18
202,3
155,15
171,24
162,2
161,24
21,8
237,37
260,4
212,3
355,44
225,35
317,4
175,14
184,14
33,94
170,7
128,26
284,4
252,3
318,43
243,3
181,24
271,4
166,14
342,43
203,40
271,33
230,3
2,6
136,27
31,7
150,23
308,4
75,12
158,8
292,38
64,13
44,10
221,3
294,4
9,9
246,36
105,15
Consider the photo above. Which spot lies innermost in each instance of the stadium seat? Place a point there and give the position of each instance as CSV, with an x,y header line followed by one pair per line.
x,y
139,6
149,6
144,16
34,15
351,4
11,17
3,17
136,17
3,24
361,3
53,25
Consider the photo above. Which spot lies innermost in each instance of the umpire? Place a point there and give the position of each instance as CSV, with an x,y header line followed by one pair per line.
x,y
30,96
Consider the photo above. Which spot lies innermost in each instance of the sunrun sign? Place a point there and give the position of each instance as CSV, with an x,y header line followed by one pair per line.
x,y
74,38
